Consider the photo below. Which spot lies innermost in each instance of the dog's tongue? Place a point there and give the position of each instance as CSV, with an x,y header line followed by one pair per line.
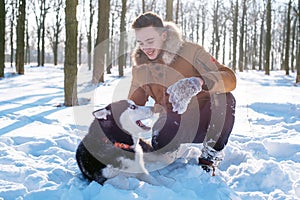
x,y
140,124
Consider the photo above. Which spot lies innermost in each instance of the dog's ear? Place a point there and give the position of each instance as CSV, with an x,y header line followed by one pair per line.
x,y
101,113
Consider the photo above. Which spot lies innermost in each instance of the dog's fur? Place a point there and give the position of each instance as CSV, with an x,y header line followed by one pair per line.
x,y
100,155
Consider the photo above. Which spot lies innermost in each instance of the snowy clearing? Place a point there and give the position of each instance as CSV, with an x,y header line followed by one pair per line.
x,y
38,139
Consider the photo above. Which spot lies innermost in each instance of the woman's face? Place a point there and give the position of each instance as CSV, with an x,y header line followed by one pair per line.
x,y
150,41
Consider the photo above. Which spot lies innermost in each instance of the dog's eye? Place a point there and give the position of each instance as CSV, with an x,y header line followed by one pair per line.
x,y
133,107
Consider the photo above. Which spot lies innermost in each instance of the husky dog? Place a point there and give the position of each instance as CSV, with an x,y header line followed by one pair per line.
x,y
113,143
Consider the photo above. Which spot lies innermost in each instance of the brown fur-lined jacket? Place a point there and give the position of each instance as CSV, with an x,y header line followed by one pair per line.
x,y
178,59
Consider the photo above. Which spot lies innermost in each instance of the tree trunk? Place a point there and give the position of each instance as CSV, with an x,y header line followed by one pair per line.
x,y
254,45
80,49
242,34
268,37
89,35
70,64
38,46
143,6
20,37
121,57
57,28
27,48
224,42
293,44
102,41
234,38
169,10
298,56
13,5
287,42
261,44
177,12
43,35
2,37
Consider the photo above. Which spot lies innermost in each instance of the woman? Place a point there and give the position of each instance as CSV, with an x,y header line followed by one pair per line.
x,y
188,83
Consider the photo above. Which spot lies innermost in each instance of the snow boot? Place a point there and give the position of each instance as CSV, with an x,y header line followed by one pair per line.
x,y
210,159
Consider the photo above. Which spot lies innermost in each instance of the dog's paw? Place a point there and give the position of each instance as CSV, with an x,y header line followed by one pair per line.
x,y
109,171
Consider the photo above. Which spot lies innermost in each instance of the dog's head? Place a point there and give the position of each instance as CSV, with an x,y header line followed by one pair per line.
x,y
127,115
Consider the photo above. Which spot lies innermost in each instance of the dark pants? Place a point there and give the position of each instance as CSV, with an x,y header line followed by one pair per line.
x,y
213,118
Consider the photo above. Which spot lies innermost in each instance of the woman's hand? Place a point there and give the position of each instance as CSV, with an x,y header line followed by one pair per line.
x,y
182,92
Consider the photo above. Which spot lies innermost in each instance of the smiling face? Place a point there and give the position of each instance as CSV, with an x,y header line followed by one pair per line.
x,y
150,41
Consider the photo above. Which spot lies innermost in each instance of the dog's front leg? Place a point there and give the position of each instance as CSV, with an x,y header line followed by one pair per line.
x,y
136,141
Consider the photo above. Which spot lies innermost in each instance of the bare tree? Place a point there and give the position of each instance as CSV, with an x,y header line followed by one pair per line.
x,y
261,41
242,35
288,32
293,44
13,6
70,64
40,18
54,31
2,37
121,57
44,13
143,6
234,37
254,16
102,43
80,40
203,22
89,33
177,12
298,55
27,46
169,10
20,37
216,24
268,37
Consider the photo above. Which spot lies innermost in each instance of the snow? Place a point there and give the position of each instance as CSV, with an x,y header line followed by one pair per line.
x,y
39,136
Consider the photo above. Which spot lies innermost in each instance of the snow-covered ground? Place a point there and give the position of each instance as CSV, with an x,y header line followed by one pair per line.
x,y
38,139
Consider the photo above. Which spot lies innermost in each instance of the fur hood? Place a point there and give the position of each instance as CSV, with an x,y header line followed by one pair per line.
x,y
170,49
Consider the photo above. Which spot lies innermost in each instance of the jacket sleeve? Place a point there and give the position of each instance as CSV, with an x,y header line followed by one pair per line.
x,y
217,77
136,92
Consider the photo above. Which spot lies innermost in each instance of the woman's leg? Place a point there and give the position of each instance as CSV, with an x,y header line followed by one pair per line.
x,y
222,121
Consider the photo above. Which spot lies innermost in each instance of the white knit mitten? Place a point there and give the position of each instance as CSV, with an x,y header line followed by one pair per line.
x,y
182,92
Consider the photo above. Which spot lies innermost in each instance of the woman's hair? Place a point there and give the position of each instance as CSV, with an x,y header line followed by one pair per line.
x,y
147,19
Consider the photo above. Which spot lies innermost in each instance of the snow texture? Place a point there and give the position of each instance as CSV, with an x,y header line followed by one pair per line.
x,y
39,136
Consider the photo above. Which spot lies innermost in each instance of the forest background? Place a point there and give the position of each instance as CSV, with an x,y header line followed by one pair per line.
x,y
243,34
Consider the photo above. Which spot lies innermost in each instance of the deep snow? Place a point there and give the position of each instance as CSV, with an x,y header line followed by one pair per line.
x,y
38,139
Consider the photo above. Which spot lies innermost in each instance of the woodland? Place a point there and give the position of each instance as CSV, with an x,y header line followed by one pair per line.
x,y
245,35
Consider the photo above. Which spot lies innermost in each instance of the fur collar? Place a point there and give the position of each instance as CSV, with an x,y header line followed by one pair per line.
x,y
170,49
